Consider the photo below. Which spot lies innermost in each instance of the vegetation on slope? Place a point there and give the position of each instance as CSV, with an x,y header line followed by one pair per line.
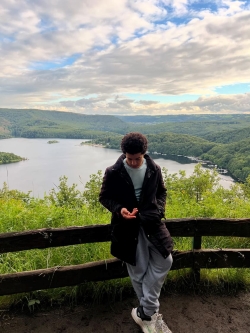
x,y
229,136
45,124
180,118
234,157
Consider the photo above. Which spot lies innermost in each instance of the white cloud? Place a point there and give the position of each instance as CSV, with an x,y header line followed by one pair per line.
x,y
53,54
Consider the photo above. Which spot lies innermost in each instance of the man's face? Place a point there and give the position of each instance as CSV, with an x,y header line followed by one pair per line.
x,y
134,160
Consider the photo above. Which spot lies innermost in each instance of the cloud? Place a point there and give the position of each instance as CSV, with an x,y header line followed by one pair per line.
x,y
55,54
239,103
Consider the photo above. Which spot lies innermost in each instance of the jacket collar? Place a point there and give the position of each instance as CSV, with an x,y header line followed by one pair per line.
x,y
150,163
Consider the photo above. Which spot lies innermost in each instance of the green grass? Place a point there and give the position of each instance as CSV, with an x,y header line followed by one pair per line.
x,y
69,207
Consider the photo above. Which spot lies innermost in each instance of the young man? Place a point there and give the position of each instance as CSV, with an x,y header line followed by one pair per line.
x,y
133,190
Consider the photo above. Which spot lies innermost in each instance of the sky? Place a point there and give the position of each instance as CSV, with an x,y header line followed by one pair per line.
x,y
126,57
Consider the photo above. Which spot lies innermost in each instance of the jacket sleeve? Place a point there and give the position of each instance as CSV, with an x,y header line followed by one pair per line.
x,y
161,195
107,193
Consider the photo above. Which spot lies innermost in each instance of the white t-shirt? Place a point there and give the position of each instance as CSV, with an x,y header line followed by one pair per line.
x,y
137,176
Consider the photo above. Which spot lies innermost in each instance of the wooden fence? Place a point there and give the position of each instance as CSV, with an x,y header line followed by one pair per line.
x,y
196,258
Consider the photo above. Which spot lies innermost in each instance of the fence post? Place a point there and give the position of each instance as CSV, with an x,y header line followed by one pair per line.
x,y
196,246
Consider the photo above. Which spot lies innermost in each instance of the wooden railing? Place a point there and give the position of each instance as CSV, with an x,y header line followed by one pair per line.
x,y
196,258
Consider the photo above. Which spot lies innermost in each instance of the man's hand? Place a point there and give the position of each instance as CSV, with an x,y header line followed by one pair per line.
x,y
127,215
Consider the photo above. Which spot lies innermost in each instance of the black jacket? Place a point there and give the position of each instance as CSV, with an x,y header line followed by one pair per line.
x,y
117,192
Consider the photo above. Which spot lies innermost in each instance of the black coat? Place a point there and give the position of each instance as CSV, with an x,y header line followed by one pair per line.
x,y
117,192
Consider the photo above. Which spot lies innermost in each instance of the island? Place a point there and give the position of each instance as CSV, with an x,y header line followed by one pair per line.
x,y
6,158
52,141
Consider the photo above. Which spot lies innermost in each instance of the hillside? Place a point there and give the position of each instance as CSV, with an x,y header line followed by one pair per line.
x,y
180,118
39,123
201,129
229,136
234,156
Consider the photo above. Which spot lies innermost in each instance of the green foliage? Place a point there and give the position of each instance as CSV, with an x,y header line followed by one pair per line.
x,y
55,124
173,144
229,136
234,157
164,143
108,140
196,196
65,195
9,158
193,187
246,187
187,118
92,190
6,194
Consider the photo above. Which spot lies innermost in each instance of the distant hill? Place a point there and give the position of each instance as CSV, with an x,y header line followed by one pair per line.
x,y
235,157
229,136
40,123
165,143
202,129
32,123
180,118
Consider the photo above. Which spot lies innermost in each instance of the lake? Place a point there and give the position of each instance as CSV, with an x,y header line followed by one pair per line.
x,y
47,162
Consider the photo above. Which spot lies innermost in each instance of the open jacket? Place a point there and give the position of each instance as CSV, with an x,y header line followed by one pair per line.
x,y
117,192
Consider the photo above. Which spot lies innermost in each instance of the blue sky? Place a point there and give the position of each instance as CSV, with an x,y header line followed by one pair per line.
x,y
126,57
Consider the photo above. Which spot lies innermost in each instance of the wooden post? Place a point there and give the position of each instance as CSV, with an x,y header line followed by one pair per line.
x,y
196,270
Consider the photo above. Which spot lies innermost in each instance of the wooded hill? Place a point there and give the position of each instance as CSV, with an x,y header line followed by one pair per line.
x,y
234,157
55,124
222,139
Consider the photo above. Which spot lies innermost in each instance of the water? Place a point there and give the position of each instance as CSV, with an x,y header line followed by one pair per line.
x,y
47,162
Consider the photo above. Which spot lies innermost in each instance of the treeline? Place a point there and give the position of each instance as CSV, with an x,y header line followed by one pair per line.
x,y
229,136
234,157
180,118
205,130
44,124
9,158
164,143
38,123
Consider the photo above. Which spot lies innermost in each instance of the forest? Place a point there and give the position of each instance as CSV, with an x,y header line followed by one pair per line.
x,y
223,139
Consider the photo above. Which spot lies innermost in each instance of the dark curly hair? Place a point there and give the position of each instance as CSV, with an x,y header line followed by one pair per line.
x,y
134,143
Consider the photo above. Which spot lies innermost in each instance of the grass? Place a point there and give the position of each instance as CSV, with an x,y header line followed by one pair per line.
x,y
19,212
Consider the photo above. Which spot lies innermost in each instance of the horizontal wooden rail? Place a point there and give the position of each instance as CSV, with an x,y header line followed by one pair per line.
x,y
56,277
46,238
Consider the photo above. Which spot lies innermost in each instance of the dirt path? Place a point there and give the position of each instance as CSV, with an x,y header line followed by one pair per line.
x,y
183,313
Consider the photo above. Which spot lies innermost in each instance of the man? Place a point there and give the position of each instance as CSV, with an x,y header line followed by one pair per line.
x,y
133,190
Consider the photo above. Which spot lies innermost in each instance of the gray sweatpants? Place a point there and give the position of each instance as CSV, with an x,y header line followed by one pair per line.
x,y
148,275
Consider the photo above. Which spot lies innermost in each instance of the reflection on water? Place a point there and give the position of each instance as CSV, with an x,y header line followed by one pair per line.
x,y
47,162
177,158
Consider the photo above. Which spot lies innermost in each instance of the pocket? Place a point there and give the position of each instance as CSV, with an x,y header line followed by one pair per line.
x,y
124,231
150,216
